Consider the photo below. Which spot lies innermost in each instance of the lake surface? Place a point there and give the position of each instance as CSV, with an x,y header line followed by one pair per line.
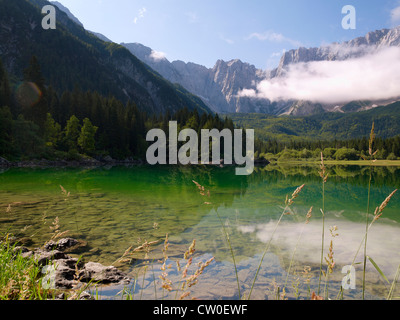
x,y
115,208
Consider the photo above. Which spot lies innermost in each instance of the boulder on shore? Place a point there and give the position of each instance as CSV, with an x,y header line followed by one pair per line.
x,y
67,272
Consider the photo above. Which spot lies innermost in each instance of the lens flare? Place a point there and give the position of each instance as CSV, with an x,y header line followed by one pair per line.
x,y
28,94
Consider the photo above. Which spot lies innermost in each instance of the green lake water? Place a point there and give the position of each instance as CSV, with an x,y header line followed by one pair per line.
x,y
114,208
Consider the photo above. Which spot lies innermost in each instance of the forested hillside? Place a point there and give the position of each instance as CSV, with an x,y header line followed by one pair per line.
x,y
308,136
72,57
327,126
37,122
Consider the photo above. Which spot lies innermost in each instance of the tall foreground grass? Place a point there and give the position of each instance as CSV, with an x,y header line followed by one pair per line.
x,y
327,261
371,158
19,276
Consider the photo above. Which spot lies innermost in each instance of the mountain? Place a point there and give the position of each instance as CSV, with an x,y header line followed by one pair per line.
x,y
71,56
340,51
219,86
76,20
128,76
67,12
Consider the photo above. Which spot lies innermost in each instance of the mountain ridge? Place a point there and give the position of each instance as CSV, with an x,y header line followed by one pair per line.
x,y
340,51
71,56
219,86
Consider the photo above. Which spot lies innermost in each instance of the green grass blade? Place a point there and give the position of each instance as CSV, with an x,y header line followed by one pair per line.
x,y
392,288
378,269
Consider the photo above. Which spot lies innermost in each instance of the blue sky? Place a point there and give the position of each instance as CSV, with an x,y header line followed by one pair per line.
x,y
255,31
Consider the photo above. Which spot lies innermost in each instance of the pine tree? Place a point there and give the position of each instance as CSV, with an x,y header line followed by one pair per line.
x,y
72,133
86,138
52,131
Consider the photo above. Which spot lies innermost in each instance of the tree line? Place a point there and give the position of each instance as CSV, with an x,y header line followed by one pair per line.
x,y
352,149
37,122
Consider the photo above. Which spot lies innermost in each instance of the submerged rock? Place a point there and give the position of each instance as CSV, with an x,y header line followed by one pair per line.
x,y
66,245
44,257
102,274
66,272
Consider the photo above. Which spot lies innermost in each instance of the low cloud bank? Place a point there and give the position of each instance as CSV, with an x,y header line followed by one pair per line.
x,y
373,76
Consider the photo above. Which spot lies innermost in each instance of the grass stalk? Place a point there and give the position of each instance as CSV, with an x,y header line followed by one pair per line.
x,y
20,278
322,245
324,177
226,234
232,253
366,233
265,252
288,203
371,155
393,286
378,213
297,244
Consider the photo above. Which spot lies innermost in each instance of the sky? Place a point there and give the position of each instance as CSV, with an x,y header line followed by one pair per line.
x,y
254,31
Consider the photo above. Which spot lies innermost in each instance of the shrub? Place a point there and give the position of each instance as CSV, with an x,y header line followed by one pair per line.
x,y
391,156
346,154
305,154
329,153
288,154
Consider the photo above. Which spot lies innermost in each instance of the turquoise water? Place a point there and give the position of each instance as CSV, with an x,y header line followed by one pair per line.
x,y
115,208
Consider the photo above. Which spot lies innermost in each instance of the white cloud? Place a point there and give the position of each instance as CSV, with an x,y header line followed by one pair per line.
x,y
225,39
395,16
273,37
157,55
141,13
373,76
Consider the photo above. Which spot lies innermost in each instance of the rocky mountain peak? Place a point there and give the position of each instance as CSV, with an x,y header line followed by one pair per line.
x,y
219,86
340,51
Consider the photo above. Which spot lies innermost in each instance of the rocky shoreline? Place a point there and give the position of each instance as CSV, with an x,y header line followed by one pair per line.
x,y
64,272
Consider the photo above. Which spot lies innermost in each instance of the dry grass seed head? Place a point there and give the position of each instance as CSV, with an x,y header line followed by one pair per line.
x,y
379,210
329,259
191,250
183,296
323,173
203,191
333,232
295,194
309,215
306,274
